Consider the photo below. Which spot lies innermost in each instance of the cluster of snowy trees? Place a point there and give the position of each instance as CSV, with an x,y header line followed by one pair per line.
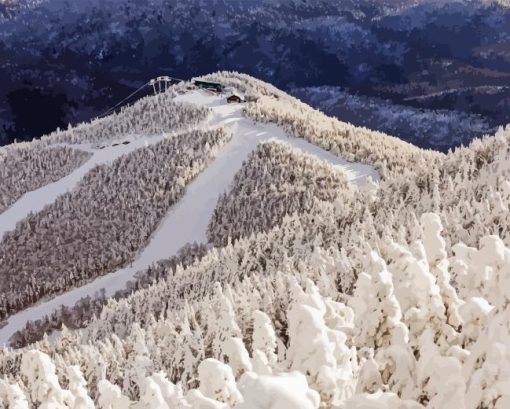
x,y
275,181
26,167
406,337
149,116
99,226
86,309
389,154
469,190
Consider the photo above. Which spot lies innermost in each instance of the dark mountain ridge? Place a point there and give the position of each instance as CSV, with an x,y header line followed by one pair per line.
x,y
64,62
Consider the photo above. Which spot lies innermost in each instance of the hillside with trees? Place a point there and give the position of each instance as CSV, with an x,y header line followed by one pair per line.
x,y
438,129
312,292
276,181
420,54
100,225
23,169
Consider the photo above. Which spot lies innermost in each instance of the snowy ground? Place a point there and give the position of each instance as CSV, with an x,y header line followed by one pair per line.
x,y
186,221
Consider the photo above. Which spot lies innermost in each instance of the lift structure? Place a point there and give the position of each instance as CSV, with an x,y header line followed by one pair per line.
x,y
159,84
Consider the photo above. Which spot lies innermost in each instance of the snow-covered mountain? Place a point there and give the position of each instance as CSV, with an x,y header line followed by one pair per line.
x,y
259,255
66,61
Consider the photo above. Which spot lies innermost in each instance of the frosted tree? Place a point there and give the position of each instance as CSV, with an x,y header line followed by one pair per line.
x,y
377,311
439,377
172,394
475,313
417,292
78,387
221,320
138,364
397,364
39,372
217,382
111,397
11,396
151,396
435,249
264,337
314,354
369,378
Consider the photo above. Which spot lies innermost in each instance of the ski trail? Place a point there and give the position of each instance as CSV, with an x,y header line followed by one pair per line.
x,y
356,173
187,220
35,200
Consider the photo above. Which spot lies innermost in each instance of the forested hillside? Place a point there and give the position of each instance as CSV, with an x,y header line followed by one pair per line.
x,y
275,182
24,169
101,224
312,291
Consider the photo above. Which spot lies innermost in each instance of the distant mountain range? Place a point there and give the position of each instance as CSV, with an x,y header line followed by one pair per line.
x,y
438,129
63,62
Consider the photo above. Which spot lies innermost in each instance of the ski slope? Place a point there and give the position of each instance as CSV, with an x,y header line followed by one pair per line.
x,y
187,220
36,200
357,173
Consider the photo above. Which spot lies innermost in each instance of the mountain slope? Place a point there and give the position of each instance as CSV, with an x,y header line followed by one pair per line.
x,y
124,254
383,294
275,181
27,169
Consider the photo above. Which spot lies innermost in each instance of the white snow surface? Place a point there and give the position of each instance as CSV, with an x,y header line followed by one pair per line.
x,y
187,220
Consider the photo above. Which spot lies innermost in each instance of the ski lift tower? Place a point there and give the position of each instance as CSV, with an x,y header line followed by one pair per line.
x,y
161,84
